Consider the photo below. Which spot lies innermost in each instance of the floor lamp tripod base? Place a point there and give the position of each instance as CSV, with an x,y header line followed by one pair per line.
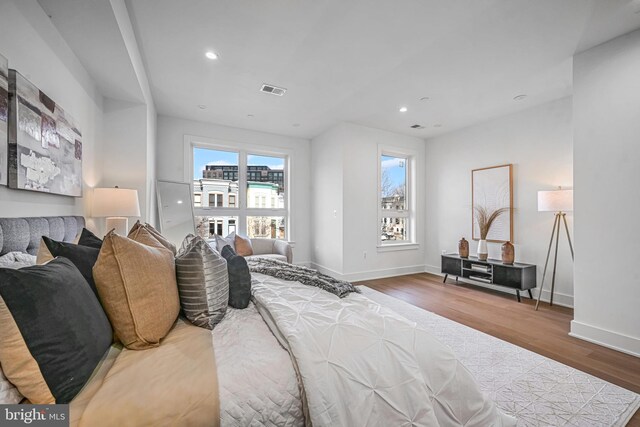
x,y
555,234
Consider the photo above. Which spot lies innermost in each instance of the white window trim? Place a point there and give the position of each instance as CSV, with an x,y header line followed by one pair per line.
x,y
411,243
241,210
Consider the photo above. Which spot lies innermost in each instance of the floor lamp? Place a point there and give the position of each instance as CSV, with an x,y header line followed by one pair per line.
x,y
558,201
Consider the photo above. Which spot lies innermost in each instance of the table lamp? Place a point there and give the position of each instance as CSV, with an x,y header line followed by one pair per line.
x,y
116,204
558,201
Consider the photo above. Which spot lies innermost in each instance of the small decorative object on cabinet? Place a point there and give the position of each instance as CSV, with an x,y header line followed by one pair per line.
x,y
521,277
508,253
483,250
463,248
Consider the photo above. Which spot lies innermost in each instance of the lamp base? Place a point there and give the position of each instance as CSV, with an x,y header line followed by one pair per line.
x,y
119,223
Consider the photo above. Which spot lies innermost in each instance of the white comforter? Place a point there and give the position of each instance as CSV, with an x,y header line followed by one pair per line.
x,y
362,364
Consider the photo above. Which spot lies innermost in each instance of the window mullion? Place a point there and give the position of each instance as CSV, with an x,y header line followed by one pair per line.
x,y
242,192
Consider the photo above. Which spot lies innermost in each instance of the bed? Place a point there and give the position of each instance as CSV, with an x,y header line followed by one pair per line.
x,y
270,372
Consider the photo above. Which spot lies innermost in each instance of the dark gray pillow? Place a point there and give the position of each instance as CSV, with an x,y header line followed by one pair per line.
x,y
239,278
89,239
83,257
203,283
56,325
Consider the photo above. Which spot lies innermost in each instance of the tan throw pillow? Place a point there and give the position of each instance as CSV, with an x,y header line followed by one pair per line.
x,y
44,254
243,246
136,280
155,233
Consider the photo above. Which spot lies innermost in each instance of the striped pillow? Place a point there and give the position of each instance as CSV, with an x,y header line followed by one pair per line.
x,y
203,282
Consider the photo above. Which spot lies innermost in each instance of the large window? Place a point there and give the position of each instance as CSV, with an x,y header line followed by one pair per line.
x,y
395,208
246,191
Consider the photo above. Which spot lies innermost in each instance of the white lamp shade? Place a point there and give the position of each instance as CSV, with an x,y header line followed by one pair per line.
x,y
555,201
115,202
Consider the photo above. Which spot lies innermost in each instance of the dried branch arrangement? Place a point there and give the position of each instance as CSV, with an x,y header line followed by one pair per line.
x,y
485,218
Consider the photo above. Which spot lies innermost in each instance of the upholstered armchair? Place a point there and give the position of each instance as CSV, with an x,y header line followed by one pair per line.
x,y
272,248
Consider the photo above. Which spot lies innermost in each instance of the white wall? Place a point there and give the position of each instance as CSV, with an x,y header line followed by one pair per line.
x,y
34,47
125,158
606,107
354,149
170,165
538,142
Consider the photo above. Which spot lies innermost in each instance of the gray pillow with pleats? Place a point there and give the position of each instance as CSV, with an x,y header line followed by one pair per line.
x,y
203,282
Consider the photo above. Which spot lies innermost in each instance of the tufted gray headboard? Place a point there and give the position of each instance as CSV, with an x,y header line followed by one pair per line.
x,y
24,234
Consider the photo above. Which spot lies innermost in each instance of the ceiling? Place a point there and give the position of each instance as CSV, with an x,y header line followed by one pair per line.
x,y
357,61
91,30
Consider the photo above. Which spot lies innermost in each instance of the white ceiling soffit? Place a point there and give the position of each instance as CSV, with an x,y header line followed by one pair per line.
x,y
355,61
91,30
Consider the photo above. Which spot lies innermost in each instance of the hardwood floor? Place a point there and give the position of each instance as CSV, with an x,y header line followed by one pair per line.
x,y
499,314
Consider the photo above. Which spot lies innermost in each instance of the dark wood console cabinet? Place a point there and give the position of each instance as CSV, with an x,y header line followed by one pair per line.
x,y
521,277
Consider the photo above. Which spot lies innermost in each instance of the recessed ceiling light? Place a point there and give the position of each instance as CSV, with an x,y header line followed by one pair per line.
x,y
403,109
424,98
250,115
179,202
211,55
202,107
519,97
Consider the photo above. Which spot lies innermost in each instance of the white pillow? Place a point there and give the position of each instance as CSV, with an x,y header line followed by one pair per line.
x,y
221,242
9,395
17,260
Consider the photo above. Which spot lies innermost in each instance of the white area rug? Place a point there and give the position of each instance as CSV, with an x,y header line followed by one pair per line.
x,y
536,390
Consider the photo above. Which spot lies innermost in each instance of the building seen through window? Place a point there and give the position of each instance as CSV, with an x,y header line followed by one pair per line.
x,y
219,209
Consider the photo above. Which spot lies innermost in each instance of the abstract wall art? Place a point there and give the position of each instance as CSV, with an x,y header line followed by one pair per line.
x,y
492,190
4,116
45,144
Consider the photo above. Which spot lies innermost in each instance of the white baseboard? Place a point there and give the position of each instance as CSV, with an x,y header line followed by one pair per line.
x,y
560,299
606,338
324,270
304,263
370,275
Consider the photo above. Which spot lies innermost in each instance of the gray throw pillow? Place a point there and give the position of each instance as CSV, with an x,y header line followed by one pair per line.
x,y
203,282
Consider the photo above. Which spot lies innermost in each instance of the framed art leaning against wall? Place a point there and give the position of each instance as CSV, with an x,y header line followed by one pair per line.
x,y
492,189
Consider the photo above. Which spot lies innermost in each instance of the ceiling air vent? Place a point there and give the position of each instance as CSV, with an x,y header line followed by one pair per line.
x,y
273,90
417,127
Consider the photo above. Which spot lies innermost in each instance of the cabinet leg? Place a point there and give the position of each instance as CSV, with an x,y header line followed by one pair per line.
x,y
530,295
456,280
518,294
445,278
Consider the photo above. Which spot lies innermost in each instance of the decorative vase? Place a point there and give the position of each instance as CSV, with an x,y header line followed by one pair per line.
x,y
508,253
483,251
463,248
